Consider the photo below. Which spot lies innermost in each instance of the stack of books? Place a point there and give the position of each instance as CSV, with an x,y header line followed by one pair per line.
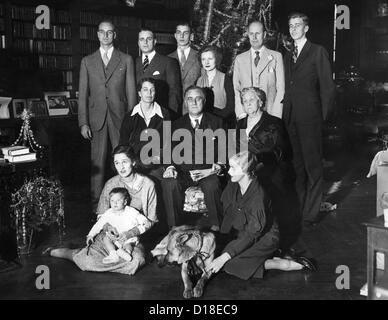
x,y
18,154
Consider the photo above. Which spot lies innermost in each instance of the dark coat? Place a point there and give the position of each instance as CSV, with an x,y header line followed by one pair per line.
x,y
310,90
166,72
249,222
209,121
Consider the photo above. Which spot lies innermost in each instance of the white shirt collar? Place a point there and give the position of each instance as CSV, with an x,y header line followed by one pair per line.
x,y
300,45
110,52
253,52
150,56
155,110
192,119
186,52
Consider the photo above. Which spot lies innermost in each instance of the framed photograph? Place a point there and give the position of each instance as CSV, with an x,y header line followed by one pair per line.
x,y
73,104
38,108
18,105
57,103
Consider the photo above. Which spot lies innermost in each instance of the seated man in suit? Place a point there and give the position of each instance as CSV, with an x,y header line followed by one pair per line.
x,y
186,56
163,69
193,172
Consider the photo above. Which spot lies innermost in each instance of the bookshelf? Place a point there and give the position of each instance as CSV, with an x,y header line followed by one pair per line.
x,y
48,50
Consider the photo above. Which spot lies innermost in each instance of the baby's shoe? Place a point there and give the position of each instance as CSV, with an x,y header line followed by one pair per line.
x,y
124,254
111,258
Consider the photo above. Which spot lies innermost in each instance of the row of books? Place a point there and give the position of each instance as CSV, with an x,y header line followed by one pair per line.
x,y
42,46
29,30
93,18
56,62
161,25
28,13
16,154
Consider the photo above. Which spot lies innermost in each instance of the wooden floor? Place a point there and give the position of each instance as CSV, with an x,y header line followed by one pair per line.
x,y
340,239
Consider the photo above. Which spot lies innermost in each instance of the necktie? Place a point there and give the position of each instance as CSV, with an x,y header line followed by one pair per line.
x,y
105,58
183,59
145,63
196,124
257,58
295,54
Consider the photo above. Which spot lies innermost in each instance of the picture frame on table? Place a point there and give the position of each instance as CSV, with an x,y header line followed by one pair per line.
x,y
73,104
57,103
38,108
18,105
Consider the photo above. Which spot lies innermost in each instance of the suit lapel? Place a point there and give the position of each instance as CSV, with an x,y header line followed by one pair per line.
x,y
189,62
153,65
264,60
99,65
113,63
303,54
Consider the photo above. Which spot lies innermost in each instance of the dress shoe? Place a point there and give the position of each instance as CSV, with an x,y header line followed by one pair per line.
x,y
308,264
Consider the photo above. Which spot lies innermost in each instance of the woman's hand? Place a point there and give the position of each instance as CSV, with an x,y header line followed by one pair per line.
x,y
218,263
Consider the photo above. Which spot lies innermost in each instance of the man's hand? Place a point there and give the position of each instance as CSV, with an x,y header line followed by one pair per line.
x,y
89,240
170,173
86,132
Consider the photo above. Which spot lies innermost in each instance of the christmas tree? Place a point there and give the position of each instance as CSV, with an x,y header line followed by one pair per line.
x,y
224,23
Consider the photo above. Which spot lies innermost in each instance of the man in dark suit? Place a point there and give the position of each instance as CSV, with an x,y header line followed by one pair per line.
x,y
194,171
163,69
106,92
187,57
309,96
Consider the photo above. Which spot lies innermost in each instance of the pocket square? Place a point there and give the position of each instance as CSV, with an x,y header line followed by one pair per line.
x,y
156,73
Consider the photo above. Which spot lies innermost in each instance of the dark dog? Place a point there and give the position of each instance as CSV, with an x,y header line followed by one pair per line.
x,y
193,249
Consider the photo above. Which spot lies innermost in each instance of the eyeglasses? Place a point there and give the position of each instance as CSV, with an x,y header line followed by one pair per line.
x,y
195,100
295,26
109,33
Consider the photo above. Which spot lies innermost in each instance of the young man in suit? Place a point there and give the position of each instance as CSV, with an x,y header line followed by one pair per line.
x,y
309,96
164,70
259,67
106,92
186,56
179,177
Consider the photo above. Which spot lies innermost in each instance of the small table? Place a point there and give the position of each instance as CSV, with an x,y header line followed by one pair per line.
x,y
377,242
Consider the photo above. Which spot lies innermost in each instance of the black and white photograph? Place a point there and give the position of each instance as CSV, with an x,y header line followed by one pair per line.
x,y
201,151
18,106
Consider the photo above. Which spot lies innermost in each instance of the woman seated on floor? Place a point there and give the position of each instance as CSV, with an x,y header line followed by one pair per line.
x,y
250,229
268,141
143,198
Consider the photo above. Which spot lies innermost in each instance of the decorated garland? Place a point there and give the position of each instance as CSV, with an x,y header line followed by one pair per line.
x,y
26,135
38,202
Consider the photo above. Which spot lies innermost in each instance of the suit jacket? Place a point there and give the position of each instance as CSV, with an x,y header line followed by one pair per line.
x,y
209,121
102,91
191,70
168,80
310,89
270,79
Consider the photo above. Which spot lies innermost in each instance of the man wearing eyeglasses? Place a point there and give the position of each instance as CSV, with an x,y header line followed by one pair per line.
x,y
309,97
186,56
106,92
194,170
164,70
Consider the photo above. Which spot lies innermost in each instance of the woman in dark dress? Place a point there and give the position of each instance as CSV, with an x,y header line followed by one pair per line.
x,y
268,141
251,230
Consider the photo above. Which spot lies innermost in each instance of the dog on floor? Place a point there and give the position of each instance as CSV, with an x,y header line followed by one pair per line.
x,y
194,250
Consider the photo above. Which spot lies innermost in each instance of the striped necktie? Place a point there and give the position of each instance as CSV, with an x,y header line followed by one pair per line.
x,y
196,124
295,53
146,63
257,58
183,59
105,58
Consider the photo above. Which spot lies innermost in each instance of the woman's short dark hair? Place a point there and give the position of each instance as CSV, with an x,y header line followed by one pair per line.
x,y
216,52
124,192
248,162
140,83
259,93
130,153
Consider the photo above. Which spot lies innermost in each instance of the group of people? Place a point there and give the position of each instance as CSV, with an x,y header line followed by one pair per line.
x,y
275,186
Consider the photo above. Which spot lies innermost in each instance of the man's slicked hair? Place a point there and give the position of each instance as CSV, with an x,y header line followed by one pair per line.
x,y
303,16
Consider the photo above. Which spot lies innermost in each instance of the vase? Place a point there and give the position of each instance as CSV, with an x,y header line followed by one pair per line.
x,y
25,241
